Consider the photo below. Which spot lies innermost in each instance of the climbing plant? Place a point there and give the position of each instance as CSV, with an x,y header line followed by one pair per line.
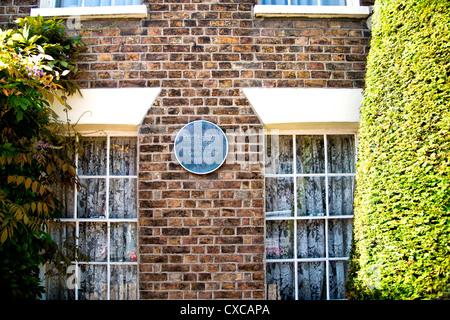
x,y
37,67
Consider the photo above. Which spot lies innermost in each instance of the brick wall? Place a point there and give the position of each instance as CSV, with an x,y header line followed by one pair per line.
x,y
12,9
220,45
203,236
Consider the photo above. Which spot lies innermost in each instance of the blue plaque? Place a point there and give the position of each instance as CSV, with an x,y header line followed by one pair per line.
x,y
201,147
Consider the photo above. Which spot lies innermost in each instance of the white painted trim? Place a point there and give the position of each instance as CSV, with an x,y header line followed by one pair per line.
x,y
132,11
311,11
123,106
305,108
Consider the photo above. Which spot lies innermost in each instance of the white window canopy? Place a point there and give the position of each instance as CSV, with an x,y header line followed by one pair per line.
x,y
107,107
306,108
311,9
90,9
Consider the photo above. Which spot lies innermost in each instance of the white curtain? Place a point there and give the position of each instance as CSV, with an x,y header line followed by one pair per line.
x,y
109,192
312,184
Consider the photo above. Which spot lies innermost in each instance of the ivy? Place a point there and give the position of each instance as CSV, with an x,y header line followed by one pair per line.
x,y
37,67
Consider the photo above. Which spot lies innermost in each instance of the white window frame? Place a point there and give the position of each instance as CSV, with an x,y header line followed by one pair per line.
x,y
52,3
106,220
350,3
295,260
47,9
353,9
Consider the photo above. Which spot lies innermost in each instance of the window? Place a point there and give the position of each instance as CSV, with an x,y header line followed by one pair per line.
x,y
90,9
311,9
101,221
312,2
309,183
94,3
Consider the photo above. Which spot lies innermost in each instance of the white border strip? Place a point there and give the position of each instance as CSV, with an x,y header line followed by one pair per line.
x,y
311,11
135,11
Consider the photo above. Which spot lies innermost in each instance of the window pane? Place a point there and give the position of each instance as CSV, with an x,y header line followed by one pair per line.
x,y
92,199
333,2
310,154
279,197
311,196
123,283
56,283
311,238
304,2
281,276
127,2
93,282
64,195
339,237
312,281
93,241
69,3
341,153
340,193
338,276
122,198
56,286
279,154
274,2
123,242
123,156
91,3
93,160
63,233
279,239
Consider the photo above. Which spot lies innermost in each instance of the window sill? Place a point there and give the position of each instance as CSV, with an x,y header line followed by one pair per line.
x,y
269,11
137,11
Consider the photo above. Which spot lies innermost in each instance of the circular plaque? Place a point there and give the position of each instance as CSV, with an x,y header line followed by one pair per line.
x,y
201,147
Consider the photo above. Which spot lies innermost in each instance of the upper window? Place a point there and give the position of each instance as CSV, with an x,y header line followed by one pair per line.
x,y
94,3
90,9
312,2
311,9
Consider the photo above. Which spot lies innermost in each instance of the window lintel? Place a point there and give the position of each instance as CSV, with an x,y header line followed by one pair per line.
x,y
310,11
128,11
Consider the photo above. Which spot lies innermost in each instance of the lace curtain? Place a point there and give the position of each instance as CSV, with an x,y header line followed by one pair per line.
x,y
107,169
309,208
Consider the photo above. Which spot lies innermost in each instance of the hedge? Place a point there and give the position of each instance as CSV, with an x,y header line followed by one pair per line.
x,y
401,242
